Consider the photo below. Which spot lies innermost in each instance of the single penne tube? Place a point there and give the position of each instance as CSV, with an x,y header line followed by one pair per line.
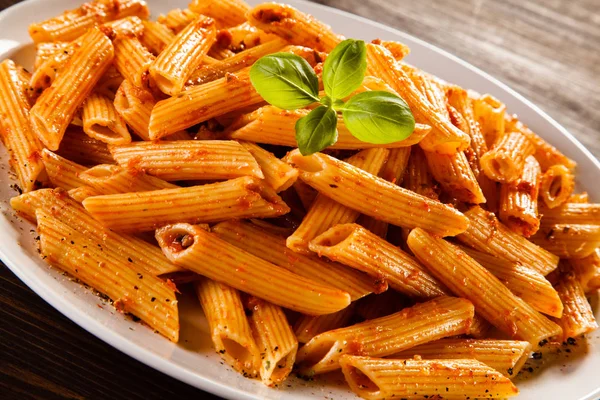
x,y
325,212
156,36
489,113
293,25
177,19
53,66
176,63
455,175
45,50
571,213
578,316
181,160
308,326
74,23
587,271
465,277
135,105
417,177
353,188
519,200
202,103
226,12
353,245
126,247
57,105
229,328
275,339
133,60
271,125
102,122
16,131
528,284
151,299
210,72
422,323
488,235
459,102
200,251
506,161
381,378
62,172
244,197
568,240
277,174
111,179
546,154
271,247
82,149
505,356
444,137
556,186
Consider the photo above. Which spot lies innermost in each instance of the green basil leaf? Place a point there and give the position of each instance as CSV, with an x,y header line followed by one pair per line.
x,y
317,130
344,68
285,80
378,117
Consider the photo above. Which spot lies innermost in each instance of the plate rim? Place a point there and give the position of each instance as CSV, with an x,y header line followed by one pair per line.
x,y
179,372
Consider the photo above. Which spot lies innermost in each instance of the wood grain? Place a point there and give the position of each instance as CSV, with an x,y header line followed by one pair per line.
x,y
549,51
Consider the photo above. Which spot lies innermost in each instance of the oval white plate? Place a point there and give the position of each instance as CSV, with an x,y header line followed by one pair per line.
x,y
192,360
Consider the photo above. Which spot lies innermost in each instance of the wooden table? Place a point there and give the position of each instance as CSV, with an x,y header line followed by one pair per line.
x,y
548,51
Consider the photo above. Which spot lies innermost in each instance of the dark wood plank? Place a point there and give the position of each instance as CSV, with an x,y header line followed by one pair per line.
x,y
548,51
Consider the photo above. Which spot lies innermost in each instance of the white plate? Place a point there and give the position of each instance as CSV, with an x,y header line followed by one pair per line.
x,y
192,360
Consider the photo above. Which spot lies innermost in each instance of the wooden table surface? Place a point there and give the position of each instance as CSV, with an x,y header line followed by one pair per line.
x,y
549,51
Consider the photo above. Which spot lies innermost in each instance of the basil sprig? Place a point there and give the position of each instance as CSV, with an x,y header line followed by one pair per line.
x,y
287,81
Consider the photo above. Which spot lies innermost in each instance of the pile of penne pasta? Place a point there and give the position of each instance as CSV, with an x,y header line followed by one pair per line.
x,y
433,266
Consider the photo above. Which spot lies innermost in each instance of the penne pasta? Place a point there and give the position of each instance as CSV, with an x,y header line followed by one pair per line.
x,y
74,23
486,234
444,138
519,200
380,378
572,213
417,177
587,271
121,246
506,161
82,192
271,247
200,251
578,317
62,172
176,63
567,240
111,179
446,316
351,186
275,340
308,326
244,197
107,86
325,212
128,26
271,125
467,278
53,66
556,186
156,36
505,356
226,12
489,113
45,50
292,25
133,60
135,105
82,149
16,131
189,159
101,121
529,285
229,328
177,19
150,299
55,108
277,174
353,245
